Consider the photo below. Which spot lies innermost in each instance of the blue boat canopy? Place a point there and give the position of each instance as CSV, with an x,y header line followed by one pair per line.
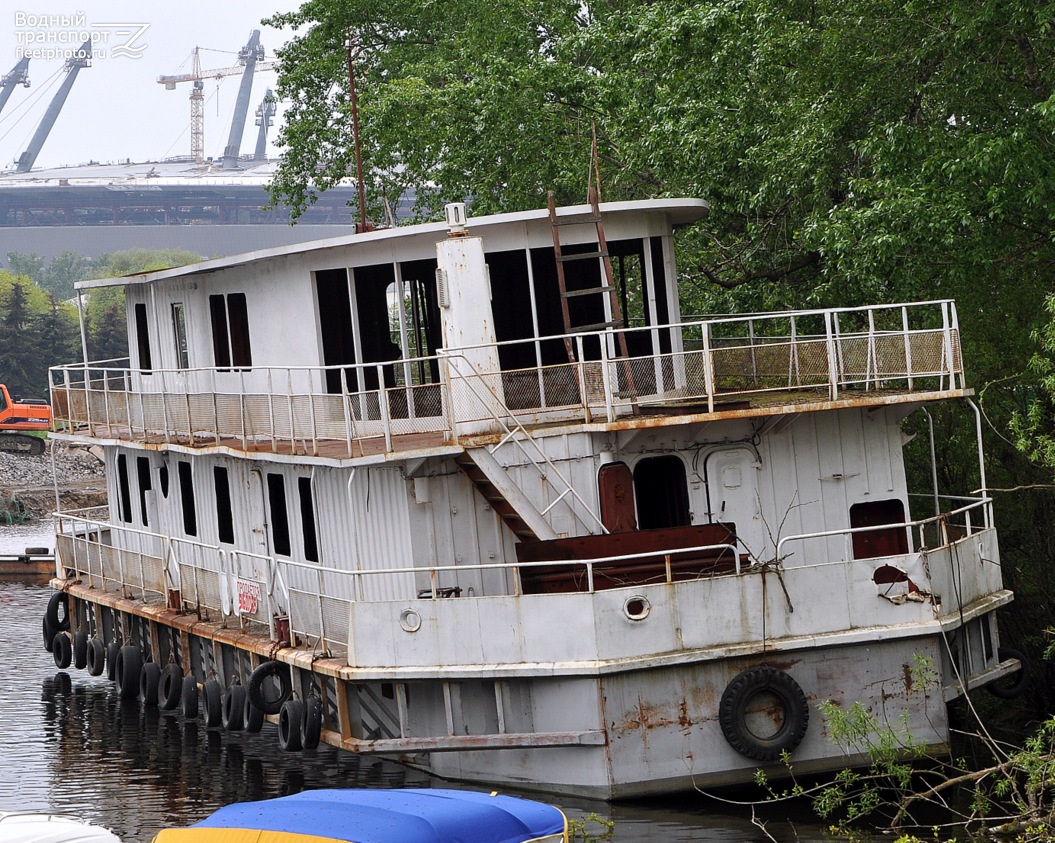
x,y
380,816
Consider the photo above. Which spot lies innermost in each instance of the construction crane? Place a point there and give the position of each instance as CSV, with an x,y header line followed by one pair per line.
x,y
265,113
80,58
19,75
250,58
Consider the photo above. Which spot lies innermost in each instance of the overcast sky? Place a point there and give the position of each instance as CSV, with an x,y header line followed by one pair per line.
x,y
116,109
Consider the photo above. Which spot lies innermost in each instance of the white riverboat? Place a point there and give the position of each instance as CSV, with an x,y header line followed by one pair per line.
x,y
480,498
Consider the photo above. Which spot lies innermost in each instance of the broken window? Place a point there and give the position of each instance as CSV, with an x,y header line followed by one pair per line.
x,y
307,519
143,338
276,498
224,515
186,490
230,331
124,493
143,476
179,332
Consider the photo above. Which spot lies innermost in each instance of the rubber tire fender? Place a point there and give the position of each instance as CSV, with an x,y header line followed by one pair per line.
x,y
170,687
127,671
62,650
189,697
96,656
290,724
733,709
255,686
233,708
212,696
112,649
311,727
252,717
1022,678
49,633
58,611
149,679
80,650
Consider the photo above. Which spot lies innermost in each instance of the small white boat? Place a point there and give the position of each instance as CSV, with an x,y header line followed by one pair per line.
x,y
24,827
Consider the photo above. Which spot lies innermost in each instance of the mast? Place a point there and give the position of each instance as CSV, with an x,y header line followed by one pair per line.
x,y
19,75
81,58
249,55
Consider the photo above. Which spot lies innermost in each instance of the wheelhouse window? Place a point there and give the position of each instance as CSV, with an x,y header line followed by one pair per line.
x,y
230,331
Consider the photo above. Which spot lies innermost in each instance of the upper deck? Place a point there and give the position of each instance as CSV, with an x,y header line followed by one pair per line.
x,y
694,370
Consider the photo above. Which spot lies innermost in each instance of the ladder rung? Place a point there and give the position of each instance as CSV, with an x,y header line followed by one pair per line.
x,y
590,291
597,326
581,256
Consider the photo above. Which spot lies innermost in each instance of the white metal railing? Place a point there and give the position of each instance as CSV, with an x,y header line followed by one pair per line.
x,y
702,363
940,523
137,563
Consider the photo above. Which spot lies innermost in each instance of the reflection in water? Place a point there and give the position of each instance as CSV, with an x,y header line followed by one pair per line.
x,y
69,744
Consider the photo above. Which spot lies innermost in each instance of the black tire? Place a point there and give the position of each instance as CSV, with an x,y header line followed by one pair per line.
x,y
234,708
212,696
1016,683
80,650
170,687
736,718
49,633
96,657
149,679
127,671
252,717
263,680
189,697
62,650
290,724
311,728
112,649
58,611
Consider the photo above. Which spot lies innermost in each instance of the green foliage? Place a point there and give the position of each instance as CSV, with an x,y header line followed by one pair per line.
x,y
590,828
38,330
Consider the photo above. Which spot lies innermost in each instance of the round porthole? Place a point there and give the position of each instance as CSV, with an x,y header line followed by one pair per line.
x,y
410,620
637,607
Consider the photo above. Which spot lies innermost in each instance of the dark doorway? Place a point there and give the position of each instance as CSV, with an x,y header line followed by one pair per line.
x,y
662,493
892,541
335,324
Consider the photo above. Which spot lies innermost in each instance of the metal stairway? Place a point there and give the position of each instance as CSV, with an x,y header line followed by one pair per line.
x,y
508,501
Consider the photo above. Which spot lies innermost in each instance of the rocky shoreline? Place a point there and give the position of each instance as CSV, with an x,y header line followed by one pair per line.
x,y
27,485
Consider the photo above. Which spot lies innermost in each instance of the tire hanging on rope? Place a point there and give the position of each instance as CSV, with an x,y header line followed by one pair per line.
x,y
763,713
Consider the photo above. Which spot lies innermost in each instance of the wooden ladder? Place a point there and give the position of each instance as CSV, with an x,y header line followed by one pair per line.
x,y
607,288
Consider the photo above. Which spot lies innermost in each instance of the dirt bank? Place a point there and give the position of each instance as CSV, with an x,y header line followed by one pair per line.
x,y
27,487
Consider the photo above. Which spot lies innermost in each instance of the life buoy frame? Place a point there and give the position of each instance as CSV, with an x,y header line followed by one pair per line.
x,y
735,706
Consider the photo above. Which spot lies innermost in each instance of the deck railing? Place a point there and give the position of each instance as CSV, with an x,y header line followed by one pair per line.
x,y
346,410
219,582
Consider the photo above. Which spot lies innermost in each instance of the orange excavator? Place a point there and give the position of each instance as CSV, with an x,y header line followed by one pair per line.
x,y
17,415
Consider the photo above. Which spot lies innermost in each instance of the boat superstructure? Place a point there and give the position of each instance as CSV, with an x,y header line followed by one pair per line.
x,y
520,525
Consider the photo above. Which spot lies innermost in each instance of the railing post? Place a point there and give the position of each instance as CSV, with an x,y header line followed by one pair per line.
x,y
708,365
382,403
833,369
908,346
88,400
872,363
271,408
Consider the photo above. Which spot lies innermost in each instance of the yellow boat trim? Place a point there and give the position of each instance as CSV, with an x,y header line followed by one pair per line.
x,y
235,835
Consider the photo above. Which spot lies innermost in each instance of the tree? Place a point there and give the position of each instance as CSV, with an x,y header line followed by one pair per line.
x,y
31,265
63,271
19,341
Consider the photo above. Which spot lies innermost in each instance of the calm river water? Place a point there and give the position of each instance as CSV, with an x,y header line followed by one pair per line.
x,y
68,744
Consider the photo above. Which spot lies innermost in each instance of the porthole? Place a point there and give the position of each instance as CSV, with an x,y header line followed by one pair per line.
x,y
636,607
410,620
